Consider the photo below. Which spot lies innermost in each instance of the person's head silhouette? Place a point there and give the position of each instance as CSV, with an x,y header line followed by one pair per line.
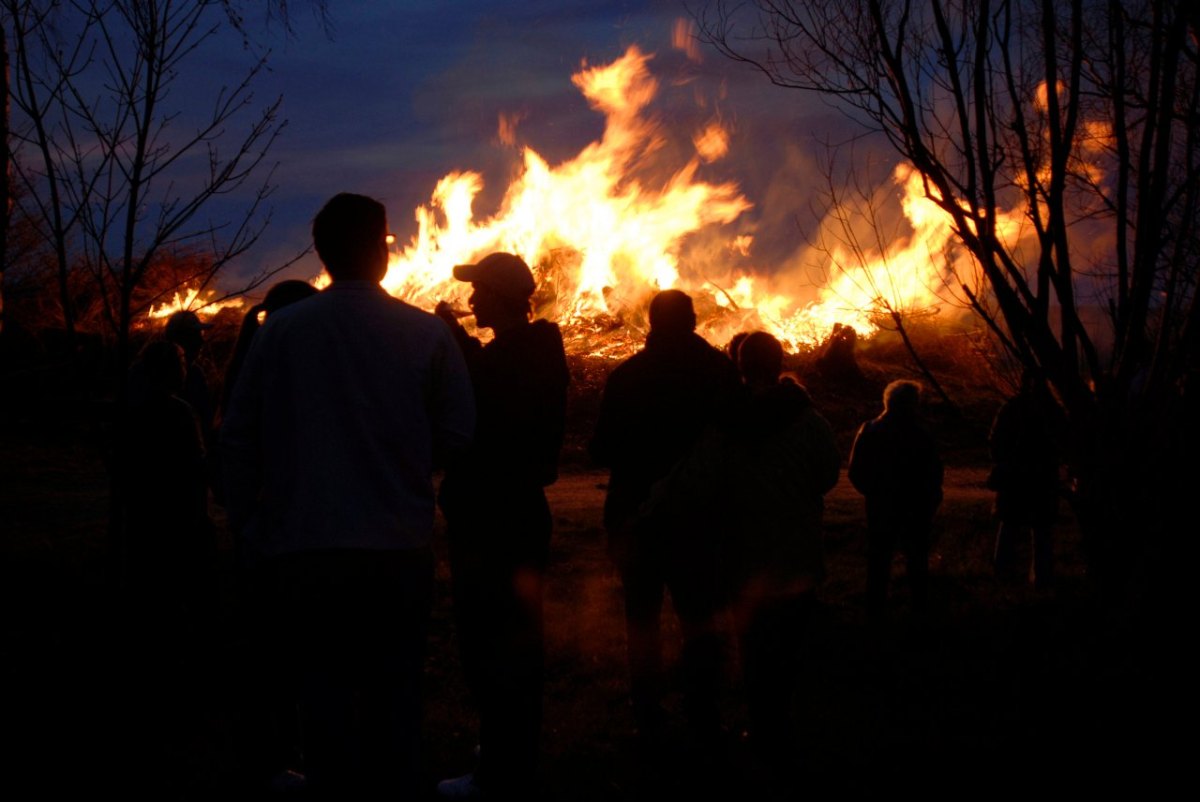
x,y
902,397
760,359
502,285
185,329
351,238
672,314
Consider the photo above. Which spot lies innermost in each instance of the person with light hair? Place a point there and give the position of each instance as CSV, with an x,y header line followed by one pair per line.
x,y
895,464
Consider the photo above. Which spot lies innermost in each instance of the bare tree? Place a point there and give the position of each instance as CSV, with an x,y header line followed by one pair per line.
x,y
1062,140
5,171
116,176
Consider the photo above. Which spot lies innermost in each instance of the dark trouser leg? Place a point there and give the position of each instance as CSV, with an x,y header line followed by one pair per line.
x,y
498,587
359,620
916,565
881,543
1041,573
693,582
1004,559
643,582
771,643
268,728
510,714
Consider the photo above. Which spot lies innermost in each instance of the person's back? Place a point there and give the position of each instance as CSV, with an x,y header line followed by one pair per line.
x,y
781,461
1024,442
895,464
787,461
352,384
344,406
655,406
520,380
168,544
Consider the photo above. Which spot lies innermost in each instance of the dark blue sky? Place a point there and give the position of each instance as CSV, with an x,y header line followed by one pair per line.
x,y
399,94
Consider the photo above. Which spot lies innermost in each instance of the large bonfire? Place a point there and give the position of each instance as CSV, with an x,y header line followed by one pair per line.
x,y
601,239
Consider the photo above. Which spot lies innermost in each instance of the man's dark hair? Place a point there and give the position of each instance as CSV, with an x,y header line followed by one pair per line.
x,y
671,312
347,232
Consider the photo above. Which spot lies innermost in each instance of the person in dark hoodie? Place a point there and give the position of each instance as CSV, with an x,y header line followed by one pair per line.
x,y
498,520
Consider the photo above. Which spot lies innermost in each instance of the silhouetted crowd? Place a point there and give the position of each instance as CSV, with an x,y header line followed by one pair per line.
x,y
340,407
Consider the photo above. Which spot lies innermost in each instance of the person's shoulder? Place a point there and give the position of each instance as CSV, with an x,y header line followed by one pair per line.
x,y
712,358
546,332
410,316
633,369
872,427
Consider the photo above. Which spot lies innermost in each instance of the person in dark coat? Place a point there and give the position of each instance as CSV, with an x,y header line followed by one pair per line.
x,y
895,464
1024,441
655,406
169,545
762,470
786,460
498,521
185,329
168,578
285,293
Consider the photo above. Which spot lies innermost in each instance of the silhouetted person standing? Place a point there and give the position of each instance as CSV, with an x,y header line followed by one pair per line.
x,y
759,474
344,406
169,548
285,293
268,730
895,464
168,560
185,329
1024,441
499,523
656,405
784,459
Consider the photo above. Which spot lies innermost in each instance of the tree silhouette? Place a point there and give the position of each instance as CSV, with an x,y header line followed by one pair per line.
x,y
1061,138
117,164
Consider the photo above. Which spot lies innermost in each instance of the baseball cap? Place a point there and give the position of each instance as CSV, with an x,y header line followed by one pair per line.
x,y
503,273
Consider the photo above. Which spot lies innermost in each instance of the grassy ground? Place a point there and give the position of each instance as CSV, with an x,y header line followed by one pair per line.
x,y
1005,688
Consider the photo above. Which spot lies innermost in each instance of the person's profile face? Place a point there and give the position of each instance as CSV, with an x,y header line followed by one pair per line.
x,y
486,304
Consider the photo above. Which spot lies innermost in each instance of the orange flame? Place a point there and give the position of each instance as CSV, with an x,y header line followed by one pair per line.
x,y
600,241
199,301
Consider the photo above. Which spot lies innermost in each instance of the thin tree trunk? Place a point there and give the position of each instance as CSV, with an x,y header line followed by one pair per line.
x,y
5,173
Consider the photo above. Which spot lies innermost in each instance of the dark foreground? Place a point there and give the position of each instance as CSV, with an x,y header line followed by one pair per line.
x,y
1004,689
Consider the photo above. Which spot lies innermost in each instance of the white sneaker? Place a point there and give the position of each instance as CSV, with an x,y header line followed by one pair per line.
x,y
463,787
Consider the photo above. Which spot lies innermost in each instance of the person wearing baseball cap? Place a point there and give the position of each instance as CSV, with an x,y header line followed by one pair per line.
x,y
498,522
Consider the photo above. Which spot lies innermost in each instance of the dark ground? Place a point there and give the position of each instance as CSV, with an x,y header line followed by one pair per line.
x,y
1005,690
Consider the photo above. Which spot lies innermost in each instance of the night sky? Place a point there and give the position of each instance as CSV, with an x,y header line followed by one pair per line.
x,y
393,96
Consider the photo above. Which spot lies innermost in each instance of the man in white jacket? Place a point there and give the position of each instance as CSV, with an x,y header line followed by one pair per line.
x,y
345,405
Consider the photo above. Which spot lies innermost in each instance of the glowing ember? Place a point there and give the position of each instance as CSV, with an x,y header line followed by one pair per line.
x,y
601,241
199,301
